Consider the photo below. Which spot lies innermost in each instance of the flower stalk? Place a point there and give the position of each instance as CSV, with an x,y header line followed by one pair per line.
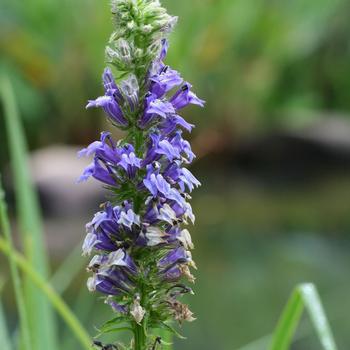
x,y
141,248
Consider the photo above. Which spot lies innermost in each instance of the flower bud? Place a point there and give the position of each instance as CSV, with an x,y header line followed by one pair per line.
x,y
130,89
185,239
137,311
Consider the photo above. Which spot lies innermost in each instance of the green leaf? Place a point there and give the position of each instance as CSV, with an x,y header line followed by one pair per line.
x,y
115,329
113,325
305,296
113,322
40,315
167,338
169,329
45,288
16,280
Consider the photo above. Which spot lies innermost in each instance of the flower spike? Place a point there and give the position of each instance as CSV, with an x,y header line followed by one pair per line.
x,y
141,249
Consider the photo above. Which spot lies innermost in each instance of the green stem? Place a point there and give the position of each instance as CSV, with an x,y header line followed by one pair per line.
x,y
140,334
140,337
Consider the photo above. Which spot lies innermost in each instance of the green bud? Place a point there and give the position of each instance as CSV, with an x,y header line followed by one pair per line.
x,y
140,26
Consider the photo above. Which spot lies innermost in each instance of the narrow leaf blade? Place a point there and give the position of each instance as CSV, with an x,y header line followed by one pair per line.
x,y
41,317
317,314
46,289
288,323
16,280
304,296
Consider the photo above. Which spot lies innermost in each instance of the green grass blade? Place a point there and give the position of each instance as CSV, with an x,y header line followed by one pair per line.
x,y
45,288
318,317
16,280
41,317
288,323
304,296
5,342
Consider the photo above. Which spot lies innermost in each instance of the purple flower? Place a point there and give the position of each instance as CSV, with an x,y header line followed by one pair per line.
x,y
111,107
110,228
172,122
164,50
175,256
165,81
100,171
172,274
110,86
158,186
184,96
129,218
184,147
167,149
170,266
111,282
160,108
117,307
111,101
188,179
111,163
112,273
167,214
130,90
155,108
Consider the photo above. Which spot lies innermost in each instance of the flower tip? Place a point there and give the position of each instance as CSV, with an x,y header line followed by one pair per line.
x,y
106,71
91,103
81,153
80,179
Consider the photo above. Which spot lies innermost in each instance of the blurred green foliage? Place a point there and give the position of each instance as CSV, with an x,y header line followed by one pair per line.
x,y
257,63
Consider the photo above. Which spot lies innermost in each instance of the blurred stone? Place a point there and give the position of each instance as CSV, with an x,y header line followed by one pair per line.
x,y
282,156
55,171
333,132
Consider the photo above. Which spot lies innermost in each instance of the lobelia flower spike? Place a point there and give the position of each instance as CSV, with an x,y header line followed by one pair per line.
x,y
141,248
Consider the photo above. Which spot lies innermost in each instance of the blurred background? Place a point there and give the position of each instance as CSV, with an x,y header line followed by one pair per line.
x,y
273,147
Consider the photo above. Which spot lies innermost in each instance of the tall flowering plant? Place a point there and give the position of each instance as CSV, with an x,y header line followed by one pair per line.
x,y
140,246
